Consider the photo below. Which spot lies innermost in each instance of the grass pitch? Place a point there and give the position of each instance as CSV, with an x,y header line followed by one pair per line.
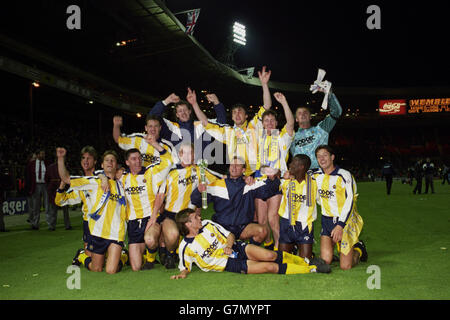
x,y
407,237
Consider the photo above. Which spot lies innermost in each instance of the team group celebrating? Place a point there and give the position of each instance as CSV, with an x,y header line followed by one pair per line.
x,y
264,208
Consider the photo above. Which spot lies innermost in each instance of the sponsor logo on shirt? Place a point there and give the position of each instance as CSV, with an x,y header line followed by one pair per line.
x,y
304,142
150,158
210,250
134,190
328,194
298,197
188,181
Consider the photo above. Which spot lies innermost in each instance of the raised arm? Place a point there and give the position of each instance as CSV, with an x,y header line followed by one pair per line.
x,y
264,77
158,108
287,112
219,108
192,99
62,170
117,123
335,112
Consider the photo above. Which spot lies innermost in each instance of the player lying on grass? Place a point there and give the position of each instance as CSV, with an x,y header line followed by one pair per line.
x,y
341,223
213,248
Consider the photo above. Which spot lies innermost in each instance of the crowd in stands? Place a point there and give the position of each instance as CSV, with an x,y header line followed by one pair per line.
x,y
360,150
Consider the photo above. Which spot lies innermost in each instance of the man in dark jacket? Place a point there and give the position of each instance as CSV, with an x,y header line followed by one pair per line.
x,y
388,173
418,174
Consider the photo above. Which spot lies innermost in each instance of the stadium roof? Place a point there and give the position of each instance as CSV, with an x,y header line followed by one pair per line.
x,y
158,56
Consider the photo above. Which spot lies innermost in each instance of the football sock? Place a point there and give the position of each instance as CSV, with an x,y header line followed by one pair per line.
x,y
84,259
292,268
151,255
124,257
284,257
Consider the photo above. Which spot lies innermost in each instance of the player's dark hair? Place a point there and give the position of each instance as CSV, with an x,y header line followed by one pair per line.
x,y
239,106
269,112
302,107
181,218
304,159
152,117
240,160
110,152
89,149
183,103
326,147
130,151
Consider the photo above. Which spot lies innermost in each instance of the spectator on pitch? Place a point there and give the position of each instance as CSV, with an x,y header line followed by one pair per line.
x,y
53,181
213,248
388,173
298,208
6,185
341,222
445,174
38,189
418,175
428,170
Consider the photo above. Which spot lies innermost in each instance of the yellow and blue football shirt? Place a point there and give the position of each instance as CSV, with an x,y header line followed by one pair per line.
x,y
107,211
141,189
298,202
205,249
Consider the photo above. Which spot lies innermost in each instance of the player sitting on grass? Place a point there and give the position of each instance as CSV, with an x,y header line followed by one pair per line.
x,y
341,223
213,248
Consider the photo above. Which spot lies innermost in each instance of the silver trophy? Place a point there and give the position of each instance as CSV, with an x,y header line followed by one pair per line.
x,y
203,164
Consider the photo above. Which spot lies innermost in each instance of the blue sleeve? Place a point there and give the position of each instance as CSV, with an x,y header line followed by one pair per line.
x,y
221,114
158,109
328,123
196,198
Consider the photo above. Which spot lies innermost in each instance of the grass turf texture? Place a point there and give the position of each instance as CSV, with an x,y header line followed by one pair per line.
x,y
406,235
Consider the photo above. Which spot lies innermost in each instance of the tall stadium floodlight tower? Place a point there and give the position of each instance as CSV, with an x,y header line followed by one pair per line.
x,y
235,40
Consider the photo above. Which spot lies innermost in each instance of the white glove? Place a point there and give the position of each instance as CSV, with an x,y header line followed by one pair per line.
x,y
322,86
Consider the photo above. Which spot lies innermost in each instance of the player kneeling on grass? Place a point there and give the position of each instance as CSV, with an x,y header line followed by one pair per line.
x,y
106,216
341,223
213,248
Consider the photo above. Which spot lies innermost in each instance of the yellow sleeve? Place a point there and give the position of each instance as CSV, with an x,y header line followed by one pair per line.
x,y
85,183
217,131
69,197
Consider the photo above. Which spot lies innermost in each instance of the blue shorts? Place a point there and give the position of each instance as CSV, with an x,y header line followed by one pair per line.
x,y
86,232
100,246
236,230
295,234
136,230
164,215
328,225
238,264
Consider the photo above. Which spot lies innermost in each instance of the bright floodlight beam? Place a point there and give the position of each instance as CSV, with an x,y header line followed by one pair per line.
x,y
239,34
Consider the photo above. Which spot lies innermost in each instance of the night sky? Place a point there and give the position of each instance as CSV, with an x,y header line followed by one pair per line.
x,y
294,38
